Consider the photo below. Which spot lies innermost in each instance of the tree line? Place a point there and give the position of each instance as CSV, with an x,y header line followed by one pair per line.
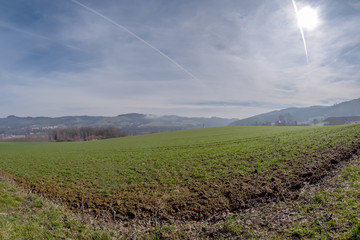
x,y
69,134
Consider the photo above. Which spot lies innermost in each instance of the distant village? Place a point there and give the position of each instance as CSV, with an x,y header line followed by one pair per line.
x,y
320,121
342,120
35,133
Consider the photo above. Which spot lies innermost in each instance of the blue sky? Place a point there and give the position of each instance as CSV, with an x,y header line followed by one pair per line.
x,y
233,58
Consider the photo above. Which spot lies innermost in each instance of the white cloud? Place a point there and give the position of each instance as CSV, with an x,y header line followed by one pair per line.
x,y
242,51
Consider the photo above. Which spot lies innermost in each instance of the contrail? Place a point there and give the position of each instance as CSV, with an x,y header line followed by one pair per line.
x,y
301,30
140,39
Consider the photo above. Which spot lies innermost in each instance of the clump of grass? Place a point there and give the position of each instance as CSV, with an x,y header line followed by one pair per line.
x,y
301,232
320,198
231,227
166,232
355,232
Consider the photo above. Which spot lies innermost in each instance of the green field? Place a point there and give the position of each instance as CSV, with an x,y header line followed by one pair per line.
x,y
192,174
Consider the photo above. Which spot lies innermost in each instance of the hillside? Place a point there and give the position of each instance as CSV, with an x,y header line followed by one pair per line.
x,y
349,108
133,123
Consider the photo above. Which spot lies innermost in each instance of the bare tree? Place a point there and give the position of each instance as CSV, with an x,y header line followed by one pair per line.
x,y
84,133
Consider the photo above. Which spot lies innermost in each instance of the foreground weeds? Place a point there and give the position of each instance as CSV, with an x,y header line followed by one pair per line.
x,y
332,212
27,216
326,210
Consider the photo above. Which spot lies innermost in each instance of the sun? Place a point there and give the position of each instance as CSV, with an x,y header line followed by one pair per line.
x,y
308,18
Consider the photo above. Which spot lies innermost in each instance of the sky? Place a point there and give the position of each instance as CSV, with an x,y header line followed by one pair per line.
x,y
200,58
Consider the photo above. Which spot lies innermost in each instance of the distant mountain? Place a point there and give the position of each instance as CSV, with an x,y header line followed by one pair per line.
x,y
134,123
309,114
349,108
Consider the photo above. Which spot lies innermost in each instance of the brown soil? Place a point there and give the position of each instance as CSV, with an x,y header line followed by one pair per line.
x,y
207,199
210,198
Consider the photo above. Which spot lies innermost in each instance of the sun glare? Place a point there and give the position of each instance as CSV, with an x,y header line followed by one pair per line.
x,y
308,18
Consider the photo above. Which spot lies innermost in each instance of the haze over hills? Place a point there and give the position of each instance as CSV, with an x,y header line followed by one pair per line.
x,y
133,123
309,114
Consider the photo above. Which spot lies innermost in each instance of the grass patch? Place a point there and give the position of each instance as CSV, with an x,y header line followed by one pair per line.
x,y
231,227
26,216
300,232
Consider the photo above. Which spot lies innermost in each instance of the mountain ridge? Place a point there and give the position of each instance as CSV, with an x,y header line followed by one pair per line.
x,y
305,115
134,123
